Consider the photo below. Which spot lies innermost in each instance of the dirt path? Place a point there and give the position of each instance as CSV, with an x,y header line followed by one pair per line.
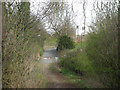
x,y
54,79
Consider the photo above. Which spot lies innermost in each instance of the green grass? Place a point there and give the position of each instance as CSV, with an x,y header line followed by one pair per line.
x,y
69,75
73,78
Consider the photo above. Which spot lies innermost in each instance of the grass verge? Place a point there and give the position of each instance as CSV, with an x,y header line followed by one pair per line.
x,y
73,78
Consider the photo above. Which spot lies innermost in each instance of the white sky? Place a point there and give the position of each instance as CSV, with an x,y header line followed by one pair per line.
x,y
78,11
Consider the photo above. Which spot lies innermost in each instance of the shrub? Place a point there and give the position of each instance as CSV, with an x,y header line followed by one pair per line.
x,y
65,42
77,62
20,43
102,51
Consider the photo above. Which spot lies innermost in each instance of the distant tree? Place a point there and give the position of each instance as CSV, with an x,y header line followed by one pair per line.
x,y
65,42
59,18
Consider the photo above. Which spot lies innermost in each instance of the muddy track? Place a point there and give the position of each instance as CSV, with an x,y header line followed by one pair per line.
x,y
54,79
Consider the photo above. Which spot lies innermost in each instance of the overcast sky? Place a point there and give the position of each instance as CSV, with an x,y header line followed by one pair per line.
x,y
77,8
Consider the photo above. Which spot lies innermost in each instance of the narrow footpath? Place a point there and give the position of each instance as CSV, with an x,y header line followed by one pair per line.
x,y
54,79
